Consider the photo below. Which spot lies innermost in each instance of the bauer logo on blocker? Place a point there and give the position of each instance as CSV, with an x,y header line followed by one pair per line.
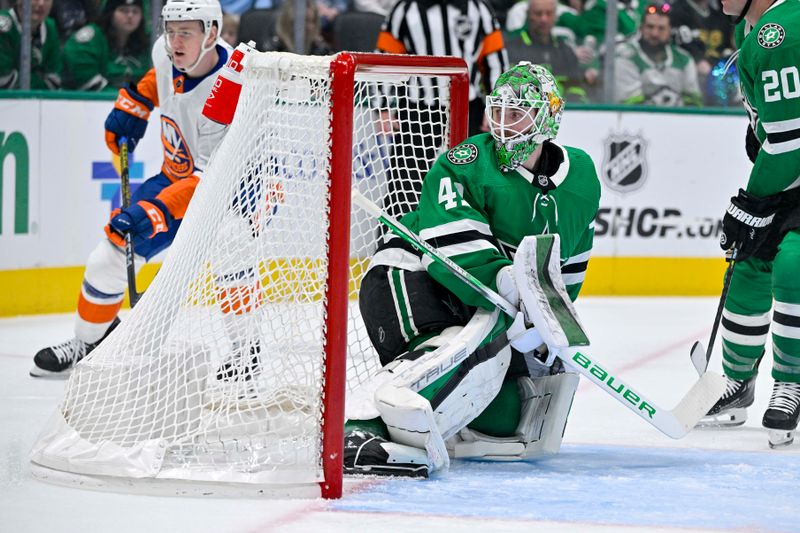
x,y
624,162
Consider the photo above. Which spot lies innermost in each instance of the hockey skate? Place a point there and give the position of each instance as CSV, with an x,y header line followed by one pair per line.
x,y
731,409
781,416
56,362
368,454
236,378
239,366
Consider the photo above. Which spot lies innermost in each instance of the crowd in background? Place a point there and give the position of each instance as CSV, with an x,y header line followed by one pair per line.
x,y
666,54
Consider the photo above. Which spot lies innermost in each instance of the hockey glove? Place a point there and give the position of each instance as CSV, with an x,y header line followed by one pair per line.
x,y
143,220
751,144
747,224
127,119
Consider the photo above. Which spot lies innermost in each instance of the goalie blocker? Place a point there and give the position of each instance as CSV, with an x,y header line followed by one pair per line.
x,y
434,398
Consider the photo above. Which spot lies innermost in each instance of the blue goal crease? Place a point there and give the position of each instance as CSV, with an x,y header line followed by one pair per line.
x,y
594,484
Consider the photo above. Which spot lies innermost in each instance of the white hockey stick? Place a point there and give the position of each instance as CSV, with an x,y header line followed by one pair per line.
x,y
675,423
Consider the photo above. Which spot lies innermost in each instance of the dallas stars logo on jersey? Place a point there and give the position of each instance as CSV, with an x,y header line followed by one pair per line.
x,y
771,35
463,154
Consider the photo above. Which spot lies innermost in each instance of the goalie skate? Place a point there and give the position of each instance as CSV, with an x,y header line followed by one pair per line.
x,y
56,362
731,409
368,454
781,416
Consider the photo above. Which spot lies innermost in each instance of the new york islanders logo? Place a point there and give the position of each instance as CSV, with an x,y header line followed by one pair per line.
x,y
178,161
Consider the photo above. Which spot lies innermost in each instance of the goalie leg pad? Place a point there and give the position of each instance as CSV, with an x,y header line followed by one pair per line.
x,y
360,403
546,402
461,379
544,297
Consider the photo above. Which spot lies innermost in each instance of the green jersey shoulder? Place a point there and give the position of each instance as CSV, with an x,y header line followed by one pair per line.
x,y
477,215
769,72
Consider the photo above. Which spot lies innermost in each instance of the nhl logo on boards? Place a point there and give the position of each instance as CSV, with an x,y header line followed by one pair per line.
x,y
463,154
771,35
624,166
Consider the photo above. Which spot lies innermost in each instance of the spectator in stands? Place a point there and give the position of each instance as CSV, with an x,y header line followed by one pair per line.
x,y
541,42
328,11
71,15
704,31
588,20
650,70
230,29
46,49
283,41
111,53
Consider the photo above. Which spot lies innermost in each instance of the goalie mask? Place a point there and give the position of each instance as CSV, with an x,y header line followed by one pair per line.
x,y
207,12
523,110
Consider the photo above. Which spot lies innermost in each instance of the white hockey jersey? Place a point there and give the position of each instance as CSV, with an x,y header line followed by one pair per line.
x,y
181,99
187,137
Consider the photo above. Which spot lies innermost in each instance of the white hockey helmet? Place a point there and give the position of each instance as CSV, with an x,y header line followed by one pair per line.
x,y
207,12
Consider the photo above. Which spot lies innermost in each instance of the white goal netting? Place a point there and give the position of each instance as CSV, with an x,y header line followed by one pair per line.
x,y
219,375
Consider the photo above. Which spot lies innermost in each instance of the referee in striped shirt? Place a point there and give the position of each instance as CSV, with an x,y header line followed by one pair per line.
x,y
462,28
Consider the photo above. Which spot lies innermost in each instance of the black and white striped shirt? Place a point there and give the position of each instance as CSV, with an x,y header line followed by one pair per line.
x,y
462,28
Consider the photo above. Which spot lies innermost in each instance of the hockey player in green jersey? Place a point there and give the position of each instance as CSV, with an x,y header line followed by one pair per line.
x,y
760,227
450,384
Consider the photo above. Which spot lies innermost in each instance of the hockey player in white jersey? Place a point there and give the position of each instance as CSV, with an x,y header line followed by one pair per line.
x,y
186,60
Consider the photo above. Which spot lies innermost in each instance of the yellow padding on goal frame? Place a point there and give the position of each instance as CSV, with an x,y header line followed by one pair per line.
x,y
55,290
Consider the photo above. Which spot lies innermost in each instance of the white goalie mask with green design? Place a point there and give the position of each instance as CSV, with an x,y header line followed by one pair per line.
x,y
523,110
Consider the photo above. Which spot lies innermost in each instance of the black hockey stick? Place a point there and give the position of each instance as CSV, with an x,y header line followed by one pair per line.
x,y
701,356
125,194
675,423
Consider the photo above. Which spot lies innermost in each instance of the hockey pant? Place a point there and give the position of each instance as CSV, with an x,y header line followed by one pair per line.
x,y
746,318
105,278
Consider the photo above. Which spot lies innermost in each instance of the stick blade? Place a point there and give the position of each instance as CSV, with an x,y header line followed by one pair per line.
x,y
699,358
695,405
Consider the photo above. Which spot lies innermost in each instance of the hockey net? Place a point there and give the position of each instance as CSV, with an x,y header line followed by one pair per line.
x,y
232,368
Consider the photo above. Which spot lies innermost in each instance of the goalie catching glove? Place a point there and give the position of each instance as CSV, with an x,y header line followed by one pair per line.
x,y
128,119
142,220
747,226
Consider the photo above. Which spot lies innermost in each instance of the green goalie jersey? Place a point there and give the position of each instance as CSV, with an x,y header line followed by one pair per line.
x,y
768,63
477,215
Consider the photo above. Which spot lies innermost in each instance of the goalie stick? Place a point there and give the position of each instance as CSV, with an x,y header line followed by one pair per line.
x,y
125,193
675,423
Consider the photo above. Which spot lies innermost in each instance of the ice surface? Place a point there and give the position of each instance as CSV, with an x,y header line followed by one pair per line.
x,y
615,473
